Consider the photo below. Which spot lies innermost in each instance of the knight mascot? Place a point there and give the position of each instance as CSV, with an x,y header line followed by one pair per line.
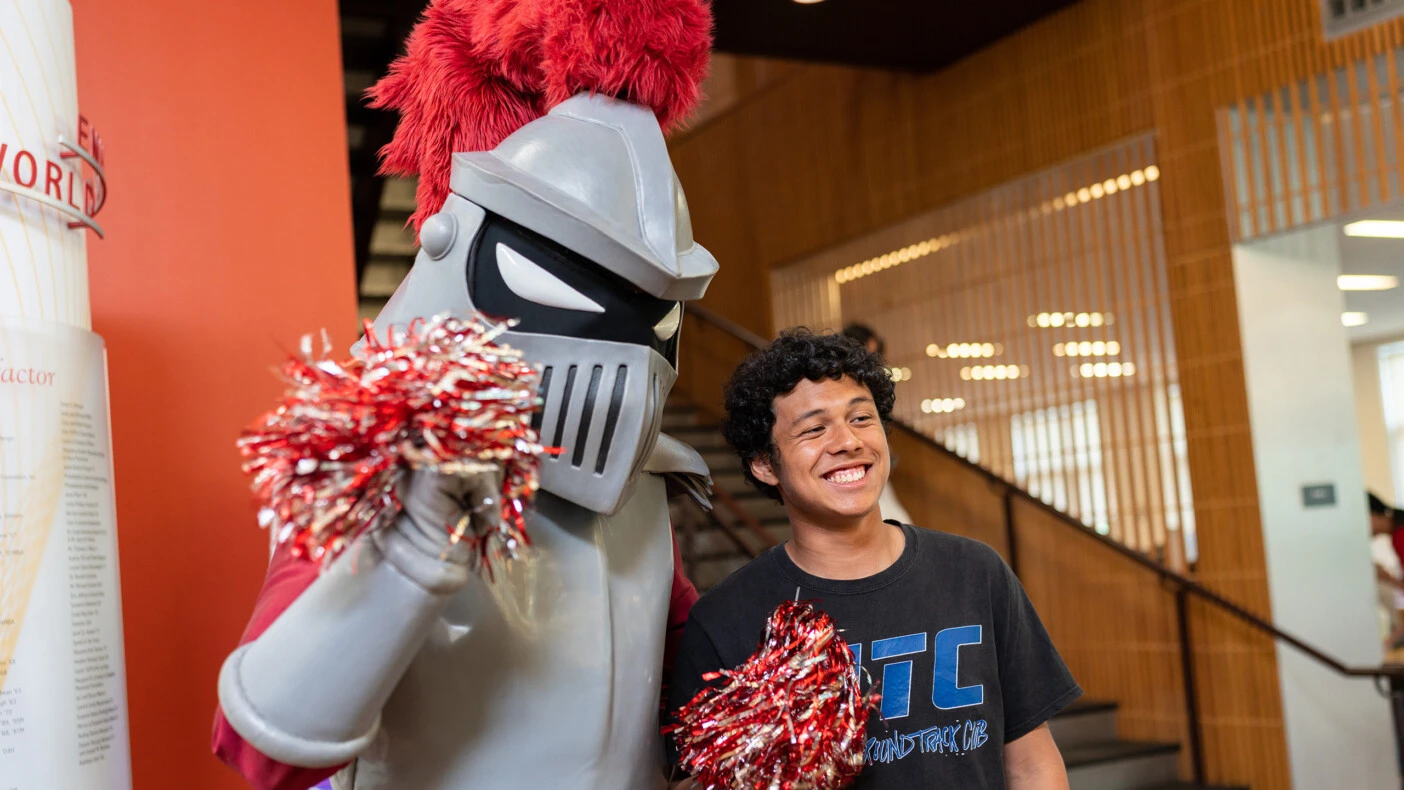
x,y
545,195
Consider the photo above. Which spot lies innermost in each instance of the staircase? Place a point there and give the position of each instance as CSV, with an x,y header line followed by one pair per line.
x,y
1098,760
1085,733
710,554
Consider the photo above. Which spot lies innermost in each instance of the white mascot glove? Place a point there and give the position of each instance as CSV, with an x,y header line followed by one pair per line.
x,y
432,540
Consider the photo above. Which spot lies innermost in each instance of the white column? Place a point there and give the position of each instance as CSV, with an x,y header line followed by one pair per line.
x,y
63,708
1302,412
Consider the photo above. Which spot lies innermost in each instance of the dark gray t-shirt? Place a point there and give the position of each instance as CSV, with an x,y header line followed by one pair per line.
x,y
964,664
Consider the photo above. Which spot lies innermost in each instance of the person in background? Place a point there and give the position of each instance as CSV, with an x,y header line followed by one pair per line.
x,y
867,338
1385,523
888,505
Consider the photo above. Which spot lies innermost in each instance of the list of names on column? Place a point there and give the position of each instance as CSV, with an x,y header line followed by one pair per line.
x,y
12,719
86,491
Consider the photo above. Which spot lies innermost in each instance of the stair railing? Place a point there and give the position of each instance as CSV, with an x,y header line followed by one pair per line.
x,y
1184,587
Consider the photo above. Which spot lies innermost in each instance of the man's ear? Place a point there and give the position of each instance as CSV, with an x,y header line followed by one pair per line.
x,y
764,470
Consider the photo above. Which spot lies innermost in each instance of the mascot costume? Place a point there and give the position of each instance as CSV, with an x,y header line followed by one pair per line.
x,y
545,195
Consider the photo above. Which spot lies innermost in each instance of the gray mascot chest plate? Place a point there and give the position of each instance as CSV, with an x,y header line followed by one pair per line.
x,y
547,677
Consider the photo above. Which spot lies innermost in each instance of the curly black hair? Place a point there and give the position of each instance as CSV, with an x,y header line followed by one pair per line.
x,y
775,370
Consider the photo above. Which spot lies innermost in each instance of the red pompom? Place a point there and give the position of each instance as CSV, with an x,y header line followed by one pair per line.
x,y
791,717
326,462
475,71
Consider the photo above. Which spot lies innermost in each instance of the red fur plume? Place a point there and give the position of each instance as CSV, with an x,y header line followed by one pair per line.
x,y
475,71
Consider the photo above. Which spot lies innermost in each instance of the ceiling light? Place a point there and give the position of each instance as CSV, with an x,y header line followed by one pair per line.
x,y
1376,229
942,405
1354,319
808,2
1104,370
1367,282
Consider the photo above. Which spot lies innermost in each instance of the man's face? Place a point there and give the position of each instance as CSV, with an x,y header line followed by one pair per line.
x,y
831,451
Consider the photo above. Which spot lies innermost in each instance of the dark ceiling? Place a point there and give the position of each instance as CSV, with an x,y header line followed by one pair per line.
x,y
918,35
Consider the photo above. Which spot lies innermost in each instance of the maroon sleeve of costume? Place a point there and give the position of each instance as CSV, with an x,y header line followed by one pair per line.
x,y
286,580
683,597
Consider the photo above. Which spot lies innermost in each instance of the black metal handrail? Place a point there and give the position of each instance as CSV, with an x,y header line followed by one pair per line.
x,y
1184,586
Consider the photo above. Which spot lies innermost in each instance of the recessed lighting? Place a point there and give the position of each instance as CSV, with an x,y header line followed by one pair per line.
x,y
994,372
1376,229
942,405
808,2
1104,370
1367,282
1354,319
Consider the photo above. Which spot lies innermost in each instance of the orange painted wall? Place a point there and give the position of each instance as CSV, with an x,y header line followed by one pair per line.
x,y
229,236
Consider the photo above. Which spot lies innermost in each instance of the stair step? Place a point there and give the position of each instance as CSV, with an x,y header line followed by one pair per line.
x,y
756,504
1121,765
733,480
704,430
1084,723
674,419
706,575
711,544
1085,705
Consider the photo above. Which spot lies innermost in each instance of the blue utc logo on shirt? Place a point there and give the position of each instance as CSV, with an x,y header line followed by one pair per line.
x,y
946,693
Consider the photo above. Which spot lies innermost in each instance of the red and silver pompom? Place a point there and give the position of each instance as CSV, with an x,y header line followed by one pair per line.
x,y
792,717
441,394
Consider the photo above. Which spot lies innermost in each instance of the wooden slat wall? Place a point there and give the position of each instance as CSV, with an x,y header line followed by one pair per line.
x,y
829,154
1319,149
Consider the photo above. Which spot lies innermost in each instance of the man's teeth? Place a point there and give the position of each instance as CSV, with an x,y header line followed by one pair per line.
x,y
848,475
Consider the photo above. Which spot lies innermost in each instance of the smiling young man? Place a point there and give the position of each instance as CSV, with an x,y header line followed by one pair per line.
x,y
969,677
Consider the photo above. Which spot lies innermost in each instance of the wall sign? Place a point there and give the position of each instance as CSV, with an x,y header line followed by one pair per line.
x,y
1319,495
75,183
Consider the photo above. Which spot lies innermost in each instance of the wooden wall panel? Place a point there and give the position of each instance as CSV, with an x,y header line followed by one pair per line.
x,y
827,154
